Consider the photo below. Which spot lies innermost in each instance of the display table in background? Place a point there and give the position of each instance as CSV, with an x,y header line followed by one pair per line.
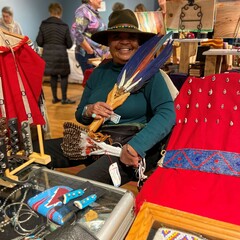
x,y
214,59
188,52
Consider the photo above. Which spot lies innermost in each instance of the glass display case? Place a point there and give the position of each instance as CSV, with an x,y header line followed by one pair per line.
x,y
114,208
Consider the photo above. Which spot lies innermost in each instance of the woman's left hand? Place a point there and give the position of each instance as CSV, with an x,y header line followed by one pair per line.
x,y
129,156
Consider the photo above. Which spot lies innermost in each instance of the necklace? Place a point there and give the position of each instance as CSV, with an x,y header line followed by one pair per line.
x,y
15,219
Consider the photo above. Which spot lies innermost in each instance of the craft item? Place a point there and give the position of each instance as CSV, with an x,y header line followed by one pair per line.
x,y
26,138
91,215
72,195
81,204
46,204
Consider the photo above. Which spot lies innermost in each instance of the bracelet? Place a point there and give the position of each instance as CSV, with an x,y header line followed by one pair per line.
x,y
128,151
84,112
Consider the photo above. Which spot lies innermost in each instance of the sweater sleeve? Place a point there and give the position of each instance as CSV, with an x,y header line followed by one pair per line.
x,y
81,24
163,116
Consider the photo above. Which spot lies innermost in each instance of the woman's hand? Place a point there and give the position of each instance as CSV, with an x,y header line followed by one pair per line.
x,y
129,156
99,110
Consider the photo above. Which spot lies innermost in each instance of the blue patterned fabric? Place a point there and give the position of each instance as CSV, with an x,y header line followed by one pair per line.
x,y
213,161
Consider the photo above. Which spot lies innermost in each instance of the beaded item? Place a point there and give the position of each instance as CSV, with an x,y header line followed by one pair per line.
x,y
123,26
214,161
207,112
172,234
208,123
46,202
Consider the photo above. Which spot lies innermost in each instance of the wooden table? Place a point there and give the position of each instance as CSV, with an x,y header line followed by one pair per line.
x,y
188,52
214,59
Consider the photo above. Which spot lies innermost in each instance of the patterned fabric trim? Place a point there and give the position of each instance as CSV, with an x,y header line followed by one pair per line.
x,y
173,234
214,161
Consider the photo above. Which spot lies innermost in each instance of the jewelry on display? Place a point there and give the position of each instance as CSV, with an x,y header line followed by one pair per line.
x,y
16,220
94,115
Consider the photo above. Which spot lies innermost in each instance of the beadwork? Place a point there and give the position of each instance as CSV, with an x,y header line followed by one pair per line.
x,y
122,26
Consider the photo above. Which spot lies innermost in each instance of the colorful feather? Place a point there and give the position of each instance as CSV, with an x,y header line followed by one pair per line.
x,y
143,65
152,67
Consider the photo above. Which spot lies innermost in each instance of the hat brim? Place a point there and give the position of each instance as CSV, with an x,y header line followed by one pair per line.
x,y
102,37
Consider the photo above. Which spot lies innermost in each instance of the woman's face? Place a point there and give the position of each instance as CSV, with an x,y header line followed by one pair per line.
x,y
96,4
122,46
7,17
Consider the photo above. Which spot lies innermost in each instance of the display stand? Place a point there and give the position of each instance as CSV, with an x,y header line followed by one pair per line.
x,y
214,58
39,158
188,52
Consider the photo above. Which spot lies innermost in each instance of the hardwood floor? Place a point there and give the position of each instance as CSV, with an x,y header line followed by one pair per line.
x,y
59,113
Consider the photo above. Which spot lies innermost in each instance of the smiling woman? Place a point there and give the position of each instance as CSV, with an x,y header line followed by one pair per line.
x,y
146,103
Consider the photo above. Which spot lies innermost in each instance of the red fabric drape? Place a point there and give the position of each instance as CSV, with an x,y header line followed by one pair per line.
x,y
208,117
31,69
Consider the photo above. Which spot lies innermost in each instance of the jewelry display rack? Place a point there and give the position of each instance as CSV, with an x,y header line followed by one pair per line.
x,y
33,157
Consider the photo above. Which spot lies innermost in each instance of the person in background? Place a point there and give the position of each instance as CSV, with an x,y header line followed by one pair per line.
x,y
152,106
140,8
7,22
87,22
54,37
117,6
162,7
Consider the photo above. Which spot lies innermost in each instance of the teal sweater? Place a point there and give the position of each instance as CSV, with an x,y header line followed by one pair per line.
x,y
152,105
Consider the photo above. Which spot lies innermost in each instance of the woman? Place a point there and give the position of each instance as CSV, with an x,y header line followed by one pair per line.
x,y
152,106
54,37
87,22
7,22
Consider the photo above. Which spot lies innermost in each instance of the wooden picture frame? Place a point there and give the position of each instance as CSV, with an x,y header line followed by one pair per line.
x,y
152,216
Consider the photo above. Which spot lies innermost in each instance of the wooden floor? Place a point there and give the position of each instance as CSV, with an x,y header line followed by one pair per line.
x,y
58,114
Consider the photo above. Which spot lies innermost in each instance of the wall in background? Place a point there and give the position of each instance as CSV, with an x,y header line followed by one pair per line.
x,y
30,13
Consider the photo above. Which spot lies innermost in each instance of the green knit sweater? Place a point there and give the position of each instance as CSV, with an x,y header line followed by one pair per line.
x,y
152,105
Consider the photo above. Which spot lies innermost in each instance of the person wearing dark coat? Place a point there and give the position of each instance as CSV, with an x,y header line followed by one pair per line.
x,y
54,37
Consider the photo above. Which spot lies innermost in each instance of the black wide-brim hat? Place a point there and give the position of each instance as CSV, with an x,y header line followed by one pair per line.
x,y
121,21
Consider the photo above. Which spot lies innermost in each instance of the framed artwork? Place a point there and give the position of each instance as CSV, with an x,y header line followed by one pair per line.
x,y
151,21
195,17
154,222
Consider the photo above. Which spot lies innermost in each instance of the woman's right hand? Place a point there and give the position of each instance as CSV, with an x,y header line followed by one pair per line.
x,y
99,110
